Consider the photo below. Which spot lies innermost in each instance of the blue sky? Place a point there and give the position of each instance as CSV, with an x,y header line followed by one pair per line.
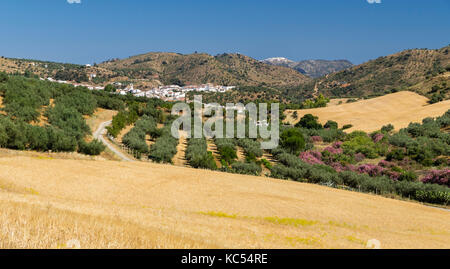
x,y
97,30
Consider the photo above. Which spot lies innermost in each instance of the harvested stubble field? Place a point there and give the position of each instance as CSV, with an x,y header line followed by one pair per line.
x,y
45,203
370,115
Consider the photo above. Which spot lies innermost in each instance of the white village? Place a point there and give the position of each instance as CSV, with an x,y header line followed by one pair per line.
x,y
166,93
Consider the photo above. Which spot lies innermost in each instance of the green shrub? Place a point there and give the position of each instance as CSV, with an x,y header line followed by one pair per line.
x,y
81,100
227,149
246,168
284,172
69,120
135,139
327,135
408,176
59,141
252,148
320,101
293,140
24,97
432,193
3,77
164,149
266,164
360,142
396,154
322,174
331,125
93,148
12,134
109,102
37,138
309,122
110,88
387,128
291,167
198,156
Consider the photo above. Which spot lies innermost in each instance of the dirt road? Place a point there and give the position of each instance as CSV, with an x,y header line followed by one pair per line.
x,y
98,134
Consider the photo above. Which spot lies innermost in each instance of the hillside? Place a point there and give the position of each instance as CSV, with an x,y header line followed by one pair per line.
x,y
320,68
51,194
417,70
398,109
59,71
224,69
311,68
46,203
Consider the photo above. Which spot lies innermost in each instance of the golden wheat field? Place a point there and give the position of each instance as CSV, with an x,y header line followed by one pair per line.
x,y
51,203
370,115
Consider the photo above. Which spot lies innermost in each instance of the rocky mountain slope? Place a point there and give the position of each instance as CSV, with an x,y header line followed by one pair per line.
x,y
424,71
311,68
224,69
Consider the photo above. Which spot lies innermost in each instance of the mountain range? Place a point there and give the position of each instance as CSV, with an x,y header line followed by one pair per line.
x,y
311,68
425,71
224,69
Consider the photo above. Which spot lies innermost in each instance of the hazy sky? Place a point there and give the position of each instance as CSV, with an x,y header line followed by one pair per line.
x,y
97,30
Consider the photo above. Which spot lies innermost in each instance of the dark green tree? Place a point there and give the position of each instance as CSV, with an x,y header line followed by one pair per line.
x,y
331,125
110,88
309,122
293,141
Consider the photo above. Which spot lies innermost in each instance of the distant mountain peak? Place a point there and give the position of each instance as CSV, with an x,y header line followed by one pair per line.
x,y
312,68
278,60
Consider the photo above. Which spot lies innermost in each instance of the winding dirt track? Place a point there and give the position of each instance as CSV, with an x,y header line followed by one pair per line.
x,y
99,134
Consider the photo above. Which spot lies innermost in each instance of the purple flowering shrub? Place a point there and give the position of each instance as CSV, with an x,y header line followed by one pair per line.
x,y
377,137
338,167
371,169
393,175
386,164
359,157
334,151
311,157
337,145
441,177
351,167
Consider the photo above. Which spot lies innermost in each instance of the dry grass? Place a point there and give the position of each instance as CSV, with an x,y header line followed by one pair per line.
x,y
46,202
337,102
149,140
398,109
92,231
211,146
20,66
7,153
240,154
124,132
100,115
180,157
1,106
42,119
11,66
